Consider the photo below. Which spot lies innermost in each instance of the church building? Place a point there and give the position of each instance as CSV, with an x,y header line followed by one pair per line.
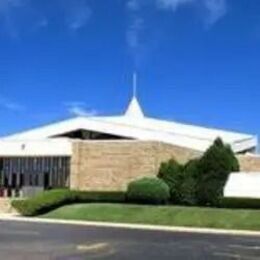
x,y
105,153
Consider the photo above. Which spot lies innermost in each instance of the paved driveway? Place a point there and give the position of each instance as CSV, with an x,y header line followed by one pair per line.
x,y
21,240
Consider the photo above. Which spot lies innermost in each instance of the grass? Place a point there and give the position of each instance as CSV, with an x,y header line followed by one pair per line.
x,y
161,215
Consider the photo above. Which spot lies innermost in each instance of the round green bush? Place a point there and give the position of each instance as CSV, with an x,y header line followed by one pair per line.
x,y
148,191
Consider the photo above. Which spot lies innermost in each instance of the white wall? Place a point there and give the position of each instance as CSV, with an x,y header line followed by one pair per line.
x,y
51,147
243,184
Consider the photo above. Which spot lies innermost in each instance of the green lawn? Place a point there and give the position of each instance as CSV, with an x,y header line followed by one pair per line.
x,y
161,215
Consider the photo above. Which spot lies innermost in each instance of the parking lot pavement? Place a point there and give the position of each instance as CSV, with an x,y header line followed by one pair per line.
x,y
22,240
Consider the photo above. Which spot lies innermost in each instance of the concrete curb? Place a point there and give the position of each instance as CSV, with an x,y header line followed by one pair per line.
x,y
12,217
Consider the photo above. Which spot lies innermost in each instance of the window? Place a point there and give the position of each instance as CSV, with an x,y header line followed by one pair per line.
x,y
21,180
30,180
36,179
14,180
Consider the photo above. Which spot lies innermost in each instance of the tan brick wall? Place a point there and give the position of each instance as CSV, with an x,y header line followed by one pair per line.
x,y
249,163
111,165
181,154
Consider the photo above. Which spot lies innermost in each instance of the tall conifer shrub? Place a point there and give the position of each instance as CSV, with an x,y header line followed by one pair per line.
x,y
214,167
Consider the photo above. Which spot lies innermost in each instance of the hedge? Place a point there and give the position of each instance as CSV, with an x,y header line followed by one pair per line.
x,y
49,200
240,203
148,191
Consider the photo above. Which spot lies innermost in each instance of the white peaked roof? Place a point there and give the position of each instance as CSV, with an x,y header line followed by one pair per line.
x,y
134,110
135,125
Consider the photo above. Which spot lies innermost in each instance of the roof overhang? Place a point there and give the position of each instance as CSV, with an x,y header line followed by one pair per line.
x,y
133,124
49,147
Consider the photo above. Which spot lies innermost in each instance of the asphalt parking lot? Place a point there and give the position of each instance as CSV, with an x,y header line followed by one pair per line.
x,y
22,240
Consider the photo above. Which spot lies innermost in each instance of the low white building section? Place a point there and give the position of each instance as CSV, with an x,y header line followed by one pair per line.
x,y
134,125
243,185
34,148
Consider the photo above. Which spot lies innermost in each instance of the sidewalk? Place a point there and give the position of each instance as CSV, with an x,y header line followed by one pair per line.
x,y
15,217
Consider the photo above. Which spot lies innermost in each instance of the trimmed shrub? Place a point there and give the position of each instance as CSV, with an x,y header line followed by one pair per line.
x,y
148,191
43,202
171,173
214,167
49,200
240,203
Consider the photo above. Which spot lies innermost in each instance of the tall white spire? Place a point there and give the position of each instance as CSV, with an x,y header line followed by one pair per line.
x,y
134,84
134,109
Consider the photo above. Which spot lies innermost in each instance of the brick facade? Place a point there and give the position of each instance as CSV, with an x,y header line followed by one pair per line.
x,y
249,163
111,165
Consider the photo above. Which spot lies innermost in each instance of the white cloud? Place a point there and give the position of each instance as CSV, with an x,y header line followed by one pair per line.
x,y
7,17
79,109
141,37
214,9
172,4
132,34
133,5
10,105
43,23
17,16
6,4
77,14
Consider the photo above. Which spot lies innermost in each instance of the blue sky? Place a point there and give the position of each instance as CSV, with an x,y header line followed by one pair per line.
x,y
198,61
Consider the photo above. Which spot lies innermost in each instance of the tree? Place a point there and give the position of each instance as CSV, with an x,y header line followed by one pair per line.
x,y
189,183
171,173
214,167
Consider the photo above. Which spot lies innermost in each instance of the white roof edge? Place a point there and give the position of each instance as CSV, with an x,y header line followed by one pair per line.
x,y
47,147
135,125
245,144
